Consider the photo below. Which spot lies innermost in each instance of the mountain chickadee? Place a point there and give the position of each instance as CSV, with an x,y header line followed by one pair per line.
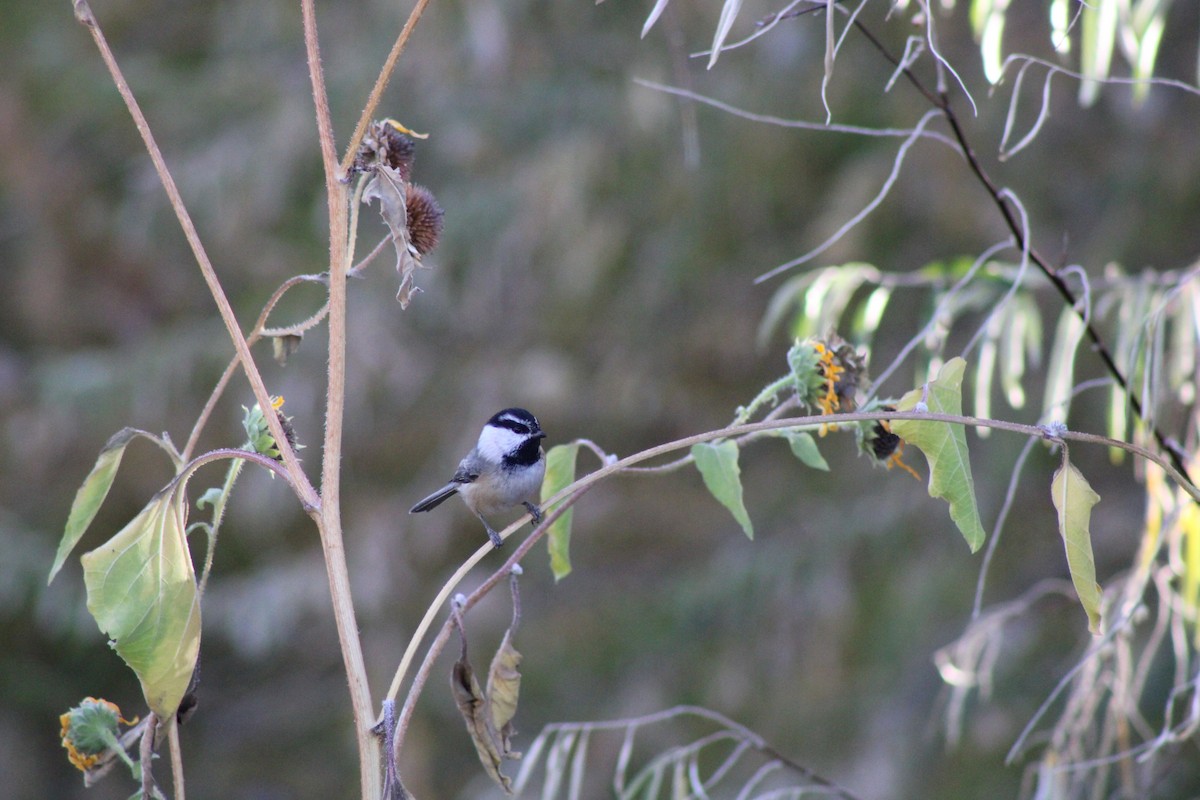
x,y
505,468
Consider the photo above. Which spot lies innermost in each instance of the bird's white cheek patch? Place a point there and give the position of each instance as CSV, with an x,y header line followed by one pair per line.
x,y
496,443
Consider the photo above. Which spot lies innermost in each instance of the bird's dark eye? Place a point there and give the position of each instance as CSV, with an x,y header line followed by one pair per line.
x,y
521,429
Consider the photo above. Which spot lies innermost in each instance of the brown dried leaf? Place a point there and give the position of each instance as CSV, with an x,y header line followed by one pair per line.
x,y
474,709
503,690
390,189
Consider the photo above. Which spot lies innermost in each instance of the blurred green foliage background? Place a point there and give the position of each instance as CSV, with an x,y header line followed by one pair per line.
x,y
590,272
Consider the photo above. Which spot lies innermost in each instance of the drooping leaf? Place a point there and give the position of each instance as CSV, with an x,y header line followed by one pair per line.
x,y
1073,499
804,447
503,691
141,589
1098,35
94,489
1060,374
390,189
729,12
718,464
659,7
945,448
475,713
560,473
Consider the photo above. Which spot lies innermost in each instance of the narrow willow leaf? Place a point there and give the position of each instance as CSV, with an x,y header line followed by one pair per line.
x,y
1189,524
1060,373
659,7
945,448
1073,499
503,692
560,473
141,589
871,313
718,464
1021,339
991,36
804,447
1098,34
984,368
729,12
1060,25
1147,53
94,489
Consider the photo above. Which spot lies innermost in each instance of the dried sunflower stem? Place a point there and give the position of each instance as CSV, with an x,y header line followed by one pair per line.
x,y
296,477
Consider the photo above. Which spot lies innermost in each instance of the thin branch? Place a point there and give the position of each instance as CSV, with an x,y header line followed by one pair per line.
x,y
381,83
176,760
298,480
439,643
1001,199
897,163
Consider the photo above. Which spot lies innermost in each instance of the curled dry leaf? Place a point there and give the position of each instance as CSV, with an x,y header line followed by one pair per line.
x,y
390,190
474,709
503,691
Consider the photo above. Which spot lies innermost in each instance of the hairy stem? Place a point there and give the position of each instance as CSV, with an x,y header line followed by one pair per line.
x,y
296,477
330,523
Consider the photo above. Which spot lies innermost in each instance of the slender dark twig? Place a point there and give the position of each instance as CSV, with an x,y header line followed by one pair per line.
x,y
941,101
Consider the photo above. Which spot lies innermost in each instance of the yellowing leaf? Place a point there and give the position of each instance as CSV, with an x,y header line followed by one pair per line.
x,y
718,464
93,490
474,709
560,473
1073,498
503,691
945,448
141,589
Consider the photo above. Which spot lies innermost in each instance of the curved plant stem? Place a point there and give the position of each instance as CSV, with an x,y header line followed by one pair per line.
x,y
743,433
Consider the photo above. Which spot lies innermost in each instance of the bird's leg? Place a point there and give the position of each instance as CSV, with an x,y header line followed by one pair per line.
x,y
534,512
497,542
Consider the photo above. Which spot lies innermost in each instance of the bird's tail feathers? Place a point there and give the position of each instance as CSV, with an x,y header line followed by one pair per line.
x,y
436,499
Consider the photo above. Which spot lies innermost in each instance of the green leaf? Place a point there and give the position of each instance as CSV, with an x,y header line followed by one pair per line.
x,y
718,465
804,447
1073,498
94,489
560,473
141,589
1060,374
945,448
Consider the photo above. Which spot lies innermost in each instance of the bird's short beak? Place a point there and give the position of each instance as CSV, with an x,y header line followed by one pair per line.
x,y
539,435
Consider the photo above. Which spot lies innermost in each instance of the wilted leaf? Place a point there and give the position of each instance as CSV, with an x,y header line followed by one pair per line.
x,y
474,710
804,447
718,464
93,490
945,448
503,691
1073,499
141,589
560,473
284,345
389,189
